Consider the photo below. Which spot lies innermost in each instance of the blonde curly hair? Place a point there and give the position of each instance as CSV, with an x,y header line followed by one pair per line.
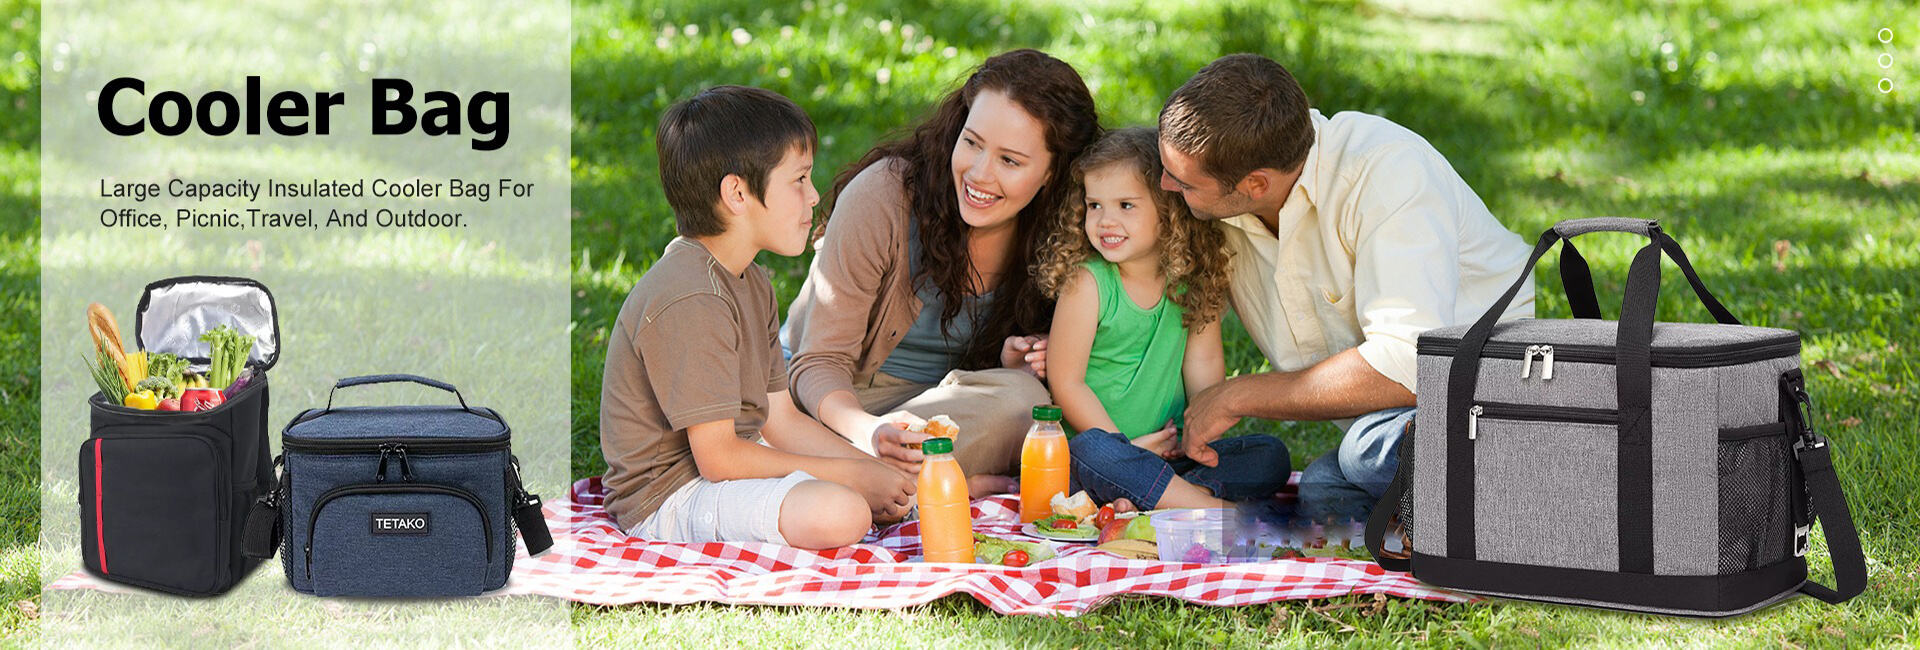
x,y
1193,253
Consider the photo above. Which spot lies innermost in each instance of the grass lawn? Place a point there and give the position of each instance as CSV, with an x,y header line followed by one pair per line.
x,y
1752,130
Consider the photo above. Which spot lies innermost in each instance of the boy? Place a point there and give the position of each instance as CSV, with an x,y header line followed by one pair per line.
x,y
701,439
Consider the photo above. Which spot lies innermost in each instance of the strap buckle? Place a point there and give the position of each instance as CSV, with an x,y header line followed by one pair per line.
x,y
1808,442
1802,539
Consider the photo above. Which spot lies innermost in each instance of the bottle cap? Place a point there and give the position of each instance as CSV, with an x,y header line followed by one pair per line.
x,y
1046,412
933,446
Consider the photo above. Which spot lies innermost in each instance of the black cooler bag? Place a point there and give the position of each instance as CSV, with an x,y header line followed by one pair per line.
x,y
1658,467
397,501
163,493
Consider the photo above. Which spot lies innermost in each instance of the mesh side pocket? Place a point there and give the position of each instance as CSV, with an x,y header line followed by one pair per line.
x,y
1756,520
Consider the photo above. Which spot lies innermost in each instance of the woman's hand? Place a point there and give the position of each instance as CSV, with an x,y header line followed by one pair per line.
x,y
1027,353
890,438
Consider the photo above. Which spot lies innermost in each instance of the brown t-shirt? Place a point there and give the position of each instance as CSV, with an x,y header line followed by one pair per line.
x,y
692,344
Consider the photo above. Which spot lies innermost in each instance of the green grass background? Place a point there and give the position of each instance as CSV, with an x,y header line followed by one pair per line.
x,y
1748,128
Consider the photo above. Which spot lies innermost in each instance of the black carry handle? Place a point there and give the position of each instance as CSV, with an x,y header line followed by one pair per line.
x,y
1634,384
1577,278
261,537
386,379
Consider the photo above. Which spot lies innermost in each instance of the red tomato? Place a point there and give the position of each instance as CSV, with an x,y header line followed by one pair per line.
x,y
1065,524
169,404
1105,517
1015,557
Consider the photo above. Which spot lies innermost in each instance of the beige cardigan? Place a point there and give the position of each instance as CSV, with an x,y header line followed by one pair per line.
x,y
858,299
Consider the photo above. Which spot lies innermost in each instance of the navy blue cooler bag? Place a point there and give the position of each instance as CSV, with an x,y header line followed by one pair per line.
x,y
397,501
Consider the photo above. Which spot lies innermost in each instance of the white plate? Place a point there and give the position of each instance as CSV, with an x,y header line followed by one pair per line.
x,y
1034,531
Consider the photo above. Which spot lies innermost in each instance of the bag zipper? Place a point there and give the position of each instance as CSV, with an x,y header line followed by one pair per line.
x,y
1532,413
1698,357
389,445
486,522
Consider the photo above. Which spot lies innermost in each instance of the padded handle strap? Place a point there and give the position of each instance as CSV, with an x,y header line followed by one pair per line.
x,y
364,380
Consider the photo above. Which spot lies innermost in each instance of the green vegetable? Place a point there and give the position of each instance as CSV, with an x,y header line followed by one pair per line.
x,y
106,373
171,367
989,550
227,352
158,385
1047,526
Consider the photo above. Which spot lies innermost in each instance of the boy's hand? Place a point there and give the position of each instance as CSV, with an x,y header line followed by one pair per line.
x,y
1027,353
887,491
1164,443
891,437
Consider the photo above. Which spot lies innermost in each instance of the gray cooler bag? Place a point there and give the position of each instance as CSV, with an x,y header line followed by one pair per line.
x,y
397,501
1655,467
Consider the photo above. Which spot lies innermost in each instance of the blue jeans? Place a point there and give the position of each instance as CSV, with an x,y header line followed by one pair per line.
x,y
1108,467
1348,481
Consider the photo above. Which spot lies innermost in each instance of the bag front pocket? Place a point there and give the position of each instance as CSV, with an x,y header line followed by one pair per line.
x,y
1545,485
154,508
398,539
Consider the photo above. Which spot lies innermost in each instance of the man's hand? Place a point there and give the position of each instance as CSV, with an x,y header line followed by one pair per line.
x,y
1027,353
1208,417
891,437
1164,443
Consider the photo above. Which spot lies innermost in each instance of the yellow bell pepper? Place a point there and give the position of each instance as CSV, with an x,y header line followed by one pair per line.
x,y
144,400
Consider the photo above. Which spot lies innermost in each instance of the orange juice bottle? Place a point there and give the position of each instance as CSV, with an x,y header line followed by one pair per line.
x,y
946,515
1044,465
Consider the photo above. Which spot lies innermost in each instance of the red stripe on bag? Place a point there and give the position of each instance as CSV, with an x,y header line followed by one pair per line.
x,y
99,513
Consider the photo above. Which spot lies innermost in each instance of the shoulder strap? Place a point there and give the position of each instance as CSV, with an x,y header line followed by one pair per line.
x,y
261,537
1828,500
1830,508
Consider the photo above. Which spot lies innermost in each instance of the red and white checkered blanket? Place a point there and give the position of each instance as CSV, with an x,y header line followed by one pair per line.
x,y
594,562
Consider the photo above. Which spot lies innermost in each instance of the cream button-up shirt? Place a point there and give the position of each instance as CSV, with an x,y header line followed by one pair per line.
x,y
1379,241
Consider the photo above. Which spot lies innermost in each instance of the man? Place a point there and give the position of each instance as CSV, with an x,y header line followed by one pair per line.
x,y
1352,235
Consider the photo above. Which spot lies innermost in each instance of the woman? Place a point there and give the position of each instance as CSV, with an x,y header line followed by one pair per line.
x,y
919,301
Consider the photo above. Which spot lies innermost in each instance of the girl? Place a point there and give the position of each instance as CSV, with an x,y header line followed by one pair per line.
x,y
1136,330
919,301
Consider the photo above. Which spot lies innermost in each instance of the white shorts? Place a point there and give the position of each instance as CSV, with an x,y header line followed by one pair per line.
x,y
746,510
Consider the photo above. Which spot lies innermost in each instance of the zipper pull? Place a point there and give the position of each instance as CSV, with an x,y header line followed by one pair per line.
x,y
1473,421
1546,373
1526,361
380,474
406,468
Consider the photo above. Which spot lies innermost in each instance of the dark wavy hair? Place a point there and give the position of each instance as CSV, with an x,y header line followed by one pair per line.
x,y
1053,93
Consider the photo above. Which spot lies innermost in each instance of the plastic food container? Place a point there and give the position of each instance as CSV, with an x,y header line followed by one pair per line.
x,y
1197,535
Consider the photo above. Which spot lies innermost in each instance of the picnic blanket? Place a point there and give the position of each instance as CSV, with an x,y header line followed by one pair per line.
x,y
594,562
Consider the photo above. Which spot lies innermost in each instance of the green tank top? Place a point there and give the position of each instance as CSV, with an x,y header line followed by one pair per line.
x,y
1134,366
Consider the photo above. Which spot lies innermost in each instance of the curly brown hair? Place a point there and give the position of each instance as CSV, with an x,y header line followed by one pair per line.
x,y
1193,252
1053,93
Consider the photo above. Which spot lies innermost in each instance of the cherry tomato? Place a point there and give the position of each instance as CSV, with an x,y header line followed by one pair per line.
x,y
1105,517
1015,557
1066,524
